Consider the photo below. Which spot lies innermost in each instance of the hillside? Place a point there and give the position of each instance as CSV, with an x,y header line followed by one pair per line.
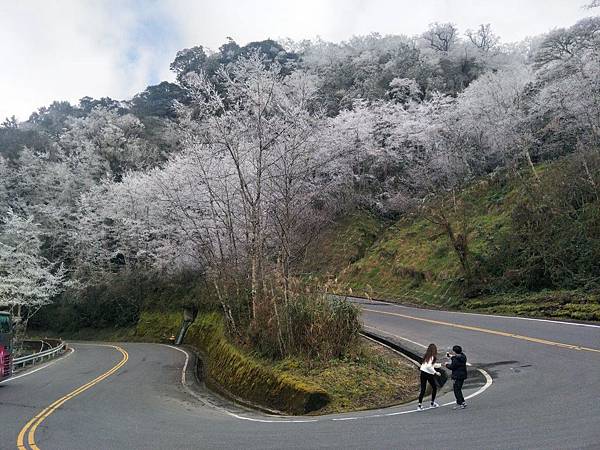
x,y
532,248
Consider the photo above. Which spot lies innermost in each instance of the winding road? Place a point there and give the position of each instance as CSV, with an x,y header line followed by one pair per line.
x,y
544,392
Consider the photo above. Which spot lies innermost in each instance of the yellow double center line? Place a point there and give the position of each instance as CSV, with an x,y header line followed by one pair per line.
x,y
488,331
31,426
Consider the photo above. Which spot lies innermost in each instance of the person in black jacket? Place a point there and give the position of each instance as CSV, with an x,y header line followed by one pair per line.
x,y
458,366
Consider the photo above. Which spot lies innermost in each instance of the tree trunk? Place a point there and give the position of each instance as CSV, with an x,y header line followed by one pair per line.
x,y
460,245
530,162
255,261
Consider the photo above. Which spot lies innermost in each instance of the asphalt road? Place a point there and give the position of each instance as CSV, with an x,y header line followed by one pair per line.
x,y
545,394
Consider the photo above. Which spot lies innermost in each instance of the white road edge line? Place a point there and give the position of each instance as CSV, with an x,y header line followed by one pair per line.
x,y
185,364
45,366
488,383
560,322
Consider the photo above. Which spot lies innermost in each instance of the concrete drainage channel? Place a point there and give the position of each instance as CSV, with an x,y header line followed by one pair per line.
x,y
412,354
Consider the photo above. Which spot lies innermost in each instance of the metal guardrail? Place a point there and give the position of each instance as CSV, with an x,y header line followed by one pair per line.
x,y
40,356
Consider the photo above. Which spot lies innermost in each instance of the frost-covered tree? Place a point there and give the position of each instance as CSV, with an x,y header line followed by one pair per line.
x,y
106,144
239,129
441,36
403,90
483,38
249,141
394,147
5,185
567,100
28,281
491,120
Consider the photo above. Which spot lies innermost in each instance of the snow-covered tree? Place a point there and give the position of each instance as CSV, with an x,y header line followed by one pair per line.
x,y
491,119
243,141
441,36
106,144
568,95
27,280
404,90
483,38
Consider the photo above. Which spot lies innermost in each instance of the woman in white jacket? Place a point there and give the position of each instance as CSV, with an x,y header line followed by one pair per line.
x,y
428,374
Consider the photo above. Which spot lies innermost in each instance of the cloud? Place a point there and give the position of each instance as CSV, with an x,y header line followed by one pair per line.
x,y
208,23
68,49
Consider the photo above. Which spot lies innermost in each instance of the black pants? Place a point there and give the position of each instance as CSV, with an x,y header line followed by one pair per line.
x,y
458,384
427,377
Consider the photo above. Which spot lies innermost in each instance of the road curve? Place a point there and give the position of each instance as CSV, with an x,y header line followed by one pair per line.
x,y
545,394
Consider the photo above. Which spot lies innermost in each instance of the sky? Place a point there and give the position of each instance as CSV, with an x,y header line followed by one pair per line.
x,y
68,49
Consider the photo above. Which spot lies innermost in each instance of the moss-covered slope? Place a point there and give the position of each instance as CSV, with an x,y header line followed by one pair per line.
x,y
505,222
242,376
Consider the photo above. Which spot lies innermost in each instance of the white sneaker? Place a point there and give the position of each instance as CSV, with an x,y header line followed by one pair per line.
x,y
434,405
420,407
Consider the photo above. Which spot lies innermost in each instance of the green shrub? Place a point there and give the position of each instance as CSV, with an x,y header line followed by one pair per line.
x,y
309,325
554,236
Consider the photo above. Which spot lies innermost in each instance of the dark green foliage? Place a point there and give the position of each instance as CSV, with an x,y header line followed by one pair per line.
x,y
99,306
14,137
554,238
188,60
158,100
118,302
458,74
195,59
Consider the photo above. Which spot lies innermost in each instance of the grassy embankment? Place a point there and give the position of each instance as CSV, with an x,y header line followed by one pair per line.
x,y
413,261
369,377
